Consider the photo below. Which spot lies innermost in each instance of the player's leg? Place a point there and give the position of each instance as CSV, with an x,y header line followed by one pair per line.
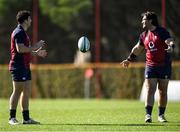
x,y
24,100
162,102
164,74
150,85
25,104
17,89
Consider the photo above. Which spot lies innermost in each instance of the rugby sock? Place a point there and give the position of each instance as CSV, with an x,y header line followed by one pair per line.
x,y
25,115
162,110
148,109
12,113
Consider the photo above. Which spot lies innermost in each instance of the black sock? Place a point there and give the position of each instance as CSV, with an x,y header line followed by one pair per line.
x,y
25,115
148,109
12,113
162,110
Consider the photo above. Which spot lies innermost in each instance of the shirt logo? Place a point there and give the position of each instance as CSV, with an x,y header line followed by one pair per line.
x,y
24,78
151,46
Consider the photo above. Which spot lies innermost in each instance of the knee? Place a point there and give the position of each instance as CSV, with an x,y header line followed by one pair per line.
x,y
26,93
150,91
163,93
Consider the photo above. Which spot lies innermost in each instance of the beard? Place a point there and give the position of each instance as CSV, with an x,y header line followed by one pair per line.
x,y
144,27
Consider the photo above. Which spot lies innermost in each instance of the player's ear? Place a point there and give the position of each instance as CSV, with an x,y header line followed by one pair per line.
x,y
25,21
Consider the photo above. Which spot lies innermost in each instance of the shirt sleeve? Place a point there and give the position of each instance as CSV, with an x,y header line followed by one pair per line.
x,y
140,42
164,34
19,38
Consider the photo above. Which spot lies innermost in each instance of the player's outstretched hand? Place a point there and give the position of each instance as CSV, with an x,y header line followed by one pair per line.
x,y
125,63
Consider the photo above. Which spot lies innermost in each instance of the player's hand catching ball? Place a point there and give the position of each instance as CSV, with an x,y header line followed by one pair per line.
x,y
41,53
170,48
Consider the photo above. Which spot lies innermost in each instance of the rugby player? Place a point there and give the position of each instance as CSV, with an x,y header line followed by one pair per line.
x,y
158,44
19,66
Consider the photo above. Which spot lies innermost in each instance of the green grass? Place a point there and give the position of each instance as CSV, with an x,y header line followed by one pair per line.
x,y
90,115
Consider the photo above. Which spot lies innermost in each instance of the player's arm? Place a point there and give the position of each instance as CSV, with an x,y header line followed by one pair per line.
x,y
165,35
171,44
21,48
136,50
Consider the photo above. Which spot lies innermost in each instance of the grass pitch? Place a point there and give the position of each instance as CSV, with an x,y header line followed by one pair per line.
x,y
90,115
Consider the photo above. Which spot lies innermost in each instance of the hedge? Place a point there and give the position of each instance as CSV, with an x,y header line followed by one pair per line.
x,y
67,81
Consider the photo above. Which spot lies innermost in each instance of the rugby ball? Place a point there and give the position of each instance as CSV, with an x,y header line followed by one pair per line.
x,y
83,44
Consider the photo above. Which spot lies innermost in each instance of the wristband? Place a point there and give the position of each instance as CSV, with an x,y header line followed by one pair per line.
x,y
131,57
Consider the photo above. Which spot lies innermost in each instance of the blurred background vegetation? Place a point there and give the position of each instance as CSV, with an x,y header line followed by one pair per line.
x,y
62,22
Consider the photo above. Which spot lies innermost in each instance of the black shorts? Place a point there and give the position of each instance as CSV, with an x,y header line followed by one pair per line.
x,y
161,72
21,75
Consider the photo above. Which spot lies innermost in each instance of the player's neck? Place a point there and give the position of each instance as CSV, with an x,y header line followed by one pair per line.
x,y
152,28
24,26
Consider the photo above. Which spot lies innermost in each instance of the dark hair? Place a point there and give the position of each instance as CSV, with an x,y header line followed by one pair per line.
x,y
151,16
22,16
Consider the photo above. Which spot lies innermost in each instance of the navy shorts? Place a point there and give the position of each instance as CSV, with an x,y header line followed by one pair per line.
x,y
161,72
21,75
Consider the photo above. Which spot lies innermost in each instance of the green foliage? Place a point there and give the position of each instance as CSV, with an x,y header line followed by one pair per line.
x,y
60,83
69,83
14,5
62,22
8,11
5,82
2,3
65,12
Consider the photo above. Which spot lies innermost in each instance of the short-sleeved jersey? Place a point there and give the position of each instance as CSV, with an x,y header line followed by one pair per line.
x,y
19,60
154,43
